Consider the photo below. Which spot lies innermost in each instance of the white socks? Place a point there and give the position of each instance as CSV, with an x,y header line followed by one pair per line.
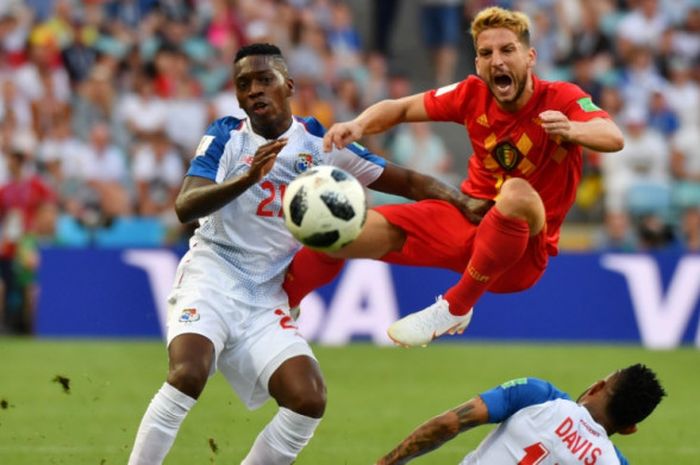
x,y
282,439
278,444
159,426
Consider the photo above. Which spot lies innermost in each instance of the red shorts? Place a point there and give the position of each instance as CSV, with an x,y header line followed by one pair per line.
x,y
439,236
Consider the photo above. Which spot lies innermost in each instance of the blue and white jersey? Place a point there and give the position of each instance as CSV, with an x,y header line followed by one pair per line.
x,y
248,234
541,425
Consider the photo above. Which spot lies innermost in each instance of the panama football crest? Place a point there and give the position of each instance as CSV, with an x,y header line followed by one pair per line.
x,y
507,155
303,162
189,315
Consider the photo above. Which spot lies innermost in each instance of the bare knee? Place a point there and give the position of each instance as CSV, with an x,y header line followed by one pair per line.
x,y
518,199
298,385
188,377
191,356
310,403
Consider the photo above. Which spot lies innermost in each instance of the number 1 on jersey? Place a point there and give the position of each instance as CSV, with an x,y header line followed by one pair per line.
x,y
534,454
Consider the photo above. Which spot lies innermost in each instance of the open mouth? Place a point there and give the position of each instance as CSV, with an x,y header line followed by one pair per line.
x,y
259,106
502,82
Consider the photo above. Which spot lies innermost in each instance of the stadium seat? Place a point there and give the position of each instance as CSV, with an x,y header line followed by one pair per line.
x,y
70,233
649,198
131,232
686,195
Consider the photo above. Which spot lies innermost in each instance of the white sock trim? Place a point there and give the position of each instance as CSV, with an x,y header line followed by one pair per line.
x,y
282,439
178,397
291,431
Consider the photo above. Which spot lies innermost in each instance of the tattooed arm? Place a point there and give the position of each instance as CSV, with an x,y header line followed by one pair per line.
x,y
435,432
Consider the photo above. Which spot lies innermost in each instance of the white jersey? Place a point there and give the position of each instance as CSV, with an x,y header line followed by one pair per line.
x,y
248,234
541,425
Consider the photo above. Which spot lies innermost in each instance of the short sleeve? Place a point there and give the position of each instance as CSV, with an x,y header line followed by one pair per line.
x,y
205,163
449,103
357,160
578,105
506,399
360,162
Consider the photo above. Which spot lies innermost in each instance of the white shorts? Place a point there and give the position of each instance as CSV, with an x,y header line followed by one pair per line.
x,y
250,343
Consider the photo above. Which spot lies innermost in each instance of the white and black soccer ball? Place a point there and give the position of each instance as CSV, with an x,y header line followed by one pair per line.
x,y
325,208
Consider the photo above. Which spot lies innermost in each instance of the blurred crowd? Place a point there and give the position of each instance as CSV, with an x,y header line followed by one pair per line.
x,y
102,104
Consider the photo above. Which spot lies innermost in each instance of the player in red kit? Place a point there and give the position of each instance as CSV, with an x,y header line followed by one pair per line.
x,y
527,135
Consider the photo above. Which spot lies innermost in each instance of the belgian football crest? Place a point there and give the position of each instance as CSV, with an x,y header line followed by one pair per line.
x,y
303,162
507,155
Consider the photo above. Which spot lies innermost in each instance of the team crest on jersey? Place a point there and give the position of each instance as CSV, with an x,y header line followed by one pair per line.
x,y
189,315
303,162
507,155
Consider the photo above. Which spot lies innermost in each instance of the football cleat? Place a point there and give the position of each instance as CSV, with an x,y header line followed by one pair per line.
x,y
419,328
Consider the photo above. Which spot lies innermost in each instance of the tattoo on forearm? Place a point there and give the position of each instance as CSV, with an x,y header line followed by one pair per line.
x,y
427,437
465,414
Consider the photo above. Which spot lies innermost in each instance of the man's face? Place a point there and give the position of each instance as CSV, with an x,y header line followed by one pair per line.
x,y
504,63
262,89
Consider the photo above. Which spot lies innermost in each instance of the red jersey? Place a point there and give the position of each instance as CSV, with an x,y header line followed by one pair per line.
x,y
24,196
508,145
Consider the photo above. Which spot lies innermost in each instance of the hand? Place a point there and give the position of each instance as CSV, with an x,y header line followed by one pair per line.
x,y
264,159
475,209
556,123
342,134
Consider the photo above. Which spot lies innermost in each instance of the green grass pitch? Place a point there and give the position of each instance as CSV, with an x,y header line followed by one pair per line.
x,y
376,396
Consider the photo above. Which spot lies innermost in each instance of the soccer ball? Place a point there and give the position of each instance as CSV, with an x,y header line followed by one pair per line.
x,y
325,208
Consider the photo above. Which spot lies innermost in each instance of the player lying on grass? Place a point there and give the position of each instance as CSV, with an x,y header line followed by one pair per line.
x,y
527,136
539,424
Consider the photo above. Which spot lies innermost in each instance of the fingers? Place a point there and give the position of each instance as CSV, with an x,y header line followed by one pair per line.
x,y
265,156
340,135
269,149
273,146
552,115
328,140
335,137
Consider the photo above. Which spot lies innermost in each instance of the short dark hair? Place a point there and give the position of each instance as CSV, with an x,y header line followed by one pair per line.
x,y
636,393
258,49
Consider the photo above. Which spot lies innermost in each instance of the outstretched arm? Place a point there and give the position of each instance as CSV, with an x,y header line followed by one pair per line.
x,y
434,433
413,185
375,119
598,134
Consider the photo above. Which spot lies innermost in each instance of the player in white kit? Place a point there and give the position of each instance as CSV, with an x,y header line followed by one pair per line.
x,y
227,308
541,425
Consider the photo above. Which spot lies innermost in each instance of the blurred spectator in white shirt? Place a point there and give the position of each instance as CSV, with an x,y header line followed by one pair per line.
x,y
106,172
417,147
157,172
640,78
641,27
186,118
638,176
683,93
95,100
685,167
14,105
142,111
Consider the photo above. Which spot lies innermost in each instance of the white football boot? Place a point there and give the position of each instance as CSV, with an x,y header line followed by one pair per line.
x,y
419,328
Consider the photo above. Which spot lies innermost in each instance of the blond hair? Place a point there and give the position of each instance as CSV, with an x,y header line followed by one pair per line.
x,y
495,17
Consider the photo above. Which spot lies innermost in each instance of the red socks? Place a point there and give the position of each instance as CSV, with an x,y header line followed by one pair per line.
x,y
309,270
499,243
